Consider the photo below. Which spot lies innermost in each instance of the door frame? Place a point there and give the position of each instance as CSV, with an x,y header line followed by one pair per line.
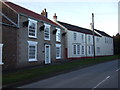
x,y
49,54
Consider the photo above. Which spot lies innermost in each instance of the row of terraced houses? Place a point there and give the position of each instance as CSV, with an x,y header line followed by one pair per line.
x,y
29,39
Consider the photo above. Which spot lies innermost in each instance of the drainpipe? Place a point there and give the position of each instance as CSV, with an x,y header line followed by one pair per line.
x,y
1,45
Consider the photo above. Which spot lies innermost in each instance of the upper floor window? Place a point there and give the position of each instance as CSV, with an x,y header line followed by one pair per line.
x,y
89,38
58,35
75,36
32,28
47,32
105,40
82,37
98,39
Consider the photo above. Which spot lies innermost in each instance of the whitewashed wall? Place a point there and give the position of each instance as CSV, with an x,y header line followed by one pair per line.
x,y
89,45
71,41
105,48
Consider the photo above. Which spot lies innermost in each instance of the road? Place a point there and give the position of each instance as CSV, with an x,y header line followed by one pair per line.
x,y
104,75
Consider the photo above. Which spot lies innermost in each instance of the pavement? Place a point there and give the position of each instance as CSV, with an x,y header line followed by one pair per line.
x,y
104,75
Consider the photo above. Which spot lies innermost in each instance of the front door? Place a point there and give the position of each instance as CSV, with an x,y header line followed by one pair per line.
x,y
47,54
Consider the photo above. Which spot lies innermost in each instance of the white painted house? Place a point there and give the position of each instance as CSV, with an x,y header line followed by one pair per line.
x,y
105,44
79,41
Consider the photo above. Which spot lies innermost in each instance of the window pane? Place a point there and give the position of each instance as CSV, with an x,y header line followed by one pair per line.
x,y
75,36
78,49
58,37
89,49
58,51
31,52
47,33
82,49
74,49
32,28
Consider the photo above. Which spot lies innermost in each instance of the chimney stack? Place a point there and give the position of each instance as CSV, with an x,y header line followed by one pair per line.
x,y
91,26
44,13
55,17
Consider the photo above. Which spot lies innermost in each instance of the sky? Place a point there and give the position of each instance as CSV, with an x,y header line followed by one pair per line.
x,y
79,12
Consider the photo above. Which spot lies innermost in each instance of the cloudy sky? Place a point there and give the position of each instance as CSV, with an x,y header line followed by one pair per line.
x,y
79,12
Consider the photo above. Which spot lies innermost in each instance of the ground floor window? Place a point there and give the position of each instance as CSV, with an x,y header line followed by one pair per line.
x,y
89,49
98,50
32,51
58,51
82,50
1,45
76,49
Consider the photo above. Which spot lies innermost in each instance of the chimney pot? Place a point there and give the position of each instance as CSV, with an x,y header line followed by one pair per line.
x,y
44,13
55,17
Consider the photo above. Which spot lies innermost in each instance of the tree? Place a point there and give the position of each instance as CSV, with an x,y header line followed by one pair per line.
x,y
116,40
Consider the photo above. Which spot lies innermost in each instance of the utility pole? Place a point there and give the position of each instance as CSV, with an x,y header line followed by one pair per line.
x,y
93,33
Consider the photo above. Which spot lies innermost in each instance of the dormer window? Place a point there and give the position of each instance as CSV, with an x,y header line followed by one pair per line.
x,y
32,28
47,32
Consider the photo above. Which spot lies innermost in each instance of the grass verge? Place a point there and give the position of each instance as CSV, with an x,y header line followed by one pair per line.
x,y
27,74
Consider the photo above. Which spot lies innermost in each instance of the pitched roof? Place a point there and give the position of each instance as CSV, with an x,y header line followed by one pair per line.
x,y
102,33
77,28
25,11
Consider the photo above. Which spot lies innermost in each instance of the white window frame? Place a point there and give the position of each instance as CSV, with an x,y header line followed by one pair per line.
x,y
76,50
32,43
1,45
47,26
58,46
82,50
35,22
89,50
75,36
82,37
58,35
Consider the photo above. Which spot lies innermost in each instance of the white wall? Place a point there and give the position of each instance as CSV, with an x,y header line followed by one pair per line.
x,y
105,48
1,54
71,41
89,45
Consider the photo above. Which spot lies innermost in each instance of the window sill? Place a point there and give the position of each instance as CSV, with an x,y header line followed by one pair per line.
x,y
46,39
32,37
33,60
58,41
1,63
58,57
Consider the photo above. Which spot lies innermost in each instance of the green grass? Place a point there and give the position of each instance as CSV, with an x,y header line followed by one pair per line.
x,y
27,74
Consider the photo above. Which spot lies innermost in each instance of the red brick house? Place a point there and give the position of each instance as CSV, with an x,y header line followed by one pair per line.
x,y
29,38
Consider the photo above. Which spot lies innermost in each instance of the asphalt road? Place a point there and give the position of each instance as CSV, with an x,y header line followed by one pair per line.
x,y
103,75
